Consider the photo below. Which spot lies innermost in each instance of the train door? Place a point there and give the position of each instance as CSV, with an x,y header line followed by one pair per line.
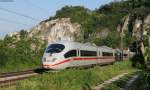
x,y
80,58
98,56
76,60
103,59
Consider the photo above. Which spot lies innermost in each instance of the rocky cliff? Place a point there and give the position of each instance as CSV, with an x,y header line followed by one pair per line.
x,y
136,26
54,30
64,29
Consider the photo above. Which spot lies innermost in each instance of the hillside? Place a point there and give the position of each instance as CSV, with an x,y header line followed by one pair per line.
x,y
74,23
77,23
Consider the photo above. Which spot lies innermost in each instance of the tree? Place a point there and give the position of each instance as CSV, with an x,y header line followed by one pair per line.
x,y
23,34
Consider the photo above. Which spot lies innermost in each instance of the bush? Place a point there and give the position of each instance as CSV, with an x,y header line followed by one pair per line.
x,y
20,55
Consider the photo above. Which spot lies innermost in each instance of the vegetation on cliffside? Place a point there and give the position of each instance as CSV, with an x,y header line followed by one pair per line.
x,y
106,17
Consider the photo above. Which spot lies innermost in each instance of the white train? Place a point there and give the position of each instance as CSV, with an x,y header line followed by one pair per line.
x,y
66,54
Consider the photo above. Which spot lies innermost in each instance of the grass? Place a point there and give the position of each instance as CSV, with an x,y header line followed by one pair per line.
x,y
143,82
116,85
18,67
73,79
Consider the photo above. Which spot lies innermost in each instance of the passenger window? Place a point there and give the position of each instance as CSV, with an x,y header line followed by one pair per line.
x,y
107,54
125,55
71,53
88,53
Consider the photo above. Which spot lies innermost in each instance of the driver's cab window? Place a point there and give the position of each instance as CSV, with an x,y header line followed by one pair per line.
x,y
55,48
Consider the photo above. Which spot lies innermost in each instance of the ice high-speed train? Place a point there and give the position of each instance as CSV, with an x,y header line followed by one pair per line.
x,y
66,54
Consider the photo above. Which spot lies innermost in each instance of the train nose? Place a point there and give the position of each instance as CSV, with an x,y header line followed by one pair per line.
x,y
44,59
49,59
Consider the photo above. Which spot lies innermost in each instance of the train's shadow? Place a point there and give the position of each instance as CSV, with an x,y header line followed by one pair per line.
x,y
41,70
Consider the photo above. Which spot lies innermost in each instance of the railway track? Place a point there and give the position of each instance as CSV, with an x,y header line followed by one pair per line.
x,y
11,78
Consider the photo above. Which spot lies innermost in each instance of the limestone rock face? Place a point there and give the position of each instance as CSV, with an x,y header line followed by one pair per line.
x,y
136,26
147,20
54,30
58,29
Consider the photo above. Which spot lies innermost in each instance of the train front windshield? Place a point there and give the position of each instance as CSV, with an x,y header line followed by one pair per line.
x,y
55,48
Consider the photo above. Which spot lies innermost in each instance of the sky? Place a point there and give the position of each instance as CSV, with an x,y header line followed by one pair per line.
x,y
31,12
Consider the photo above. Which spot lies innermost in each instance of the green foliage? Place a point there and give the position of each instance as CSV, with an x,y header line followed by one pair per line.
x,y
23,34
84,16
3,54
128,39
147,47
118,84
76,13
107,16
147,55
29,50
89,20
138,61
112,40
20,54
143,81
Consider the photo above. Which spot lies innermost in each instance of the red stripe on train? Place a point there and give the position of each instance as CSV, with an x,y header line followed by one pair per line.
x,y
61,62
64,61
107,57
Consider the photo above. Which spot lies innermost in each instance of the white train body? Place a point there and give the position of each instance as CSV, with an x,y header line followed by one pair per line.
x,y
66,54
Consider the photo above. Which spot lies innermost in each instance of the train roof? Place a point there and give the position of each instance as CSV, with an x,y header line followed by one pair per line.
x,y
83,44
65,42
106,47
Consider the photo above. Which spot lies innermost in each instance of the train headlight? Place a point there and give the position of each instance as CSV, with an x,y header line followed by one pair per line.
x,y
54,59
44,59
50,54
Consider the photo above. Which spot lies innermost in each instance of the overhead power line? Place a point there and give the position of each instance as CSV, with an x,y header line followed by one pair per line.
x,y
14,22
36,6
19,14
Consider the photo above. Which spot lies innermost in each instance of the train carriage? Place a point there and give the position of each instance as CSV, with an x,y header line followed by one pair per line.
x,y
65,54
